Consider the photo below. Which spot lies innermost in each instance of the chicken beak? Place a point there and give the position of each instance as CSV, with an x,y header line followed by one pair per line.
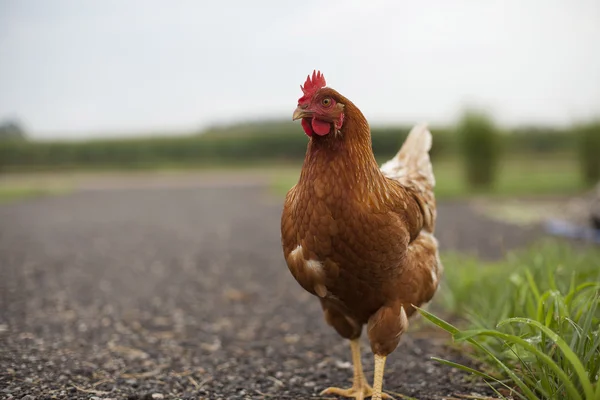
x,y
300,113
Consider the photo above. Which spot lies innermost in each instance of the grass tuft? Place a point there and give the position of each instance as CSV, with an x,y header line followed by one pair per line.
x,y
533,318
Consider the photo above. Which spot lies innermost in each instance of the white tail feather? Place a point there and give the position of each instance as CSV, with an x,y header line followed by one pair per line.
x,y
412,162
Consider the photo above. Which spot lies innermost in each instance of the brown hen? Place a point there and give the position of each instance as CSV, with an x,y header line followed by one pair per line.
x,y
357,236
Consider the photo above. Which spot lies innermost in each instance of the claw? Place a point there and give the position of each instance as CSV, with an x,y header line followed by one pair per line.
x,y
358,393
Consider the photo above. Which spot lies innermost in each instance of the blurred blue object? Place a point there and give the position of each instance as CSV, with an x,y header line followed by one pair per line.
x,y
567,229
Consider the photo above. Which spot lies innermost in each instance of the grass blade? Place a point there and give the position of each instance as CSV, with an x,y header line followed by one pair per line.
x,y
438,321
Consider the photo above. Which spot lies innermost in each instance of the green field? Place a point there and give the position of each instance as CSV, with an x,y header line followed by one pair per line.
x,y
521,177
9,194
517,177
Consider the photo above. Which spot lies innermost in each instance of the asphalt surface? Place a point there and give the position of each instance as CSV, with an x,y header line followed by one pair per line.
x,y
183,293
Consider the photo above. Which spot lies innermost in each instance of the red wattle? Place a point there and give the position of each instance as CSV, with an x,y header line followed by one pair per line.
x,y
321,128
306,126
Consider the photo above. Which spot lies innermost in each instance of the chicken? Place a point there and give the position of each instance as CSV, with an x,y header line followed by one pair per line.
x,y
358,237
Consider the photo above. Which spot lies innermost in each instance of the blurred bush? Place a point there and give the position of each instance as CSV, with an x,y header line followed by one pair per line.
x,y
588,136
11,130
480,148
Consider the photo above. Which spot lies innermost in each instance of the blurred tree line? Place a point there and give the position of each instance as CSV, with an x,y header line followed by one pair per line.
x,y
476,138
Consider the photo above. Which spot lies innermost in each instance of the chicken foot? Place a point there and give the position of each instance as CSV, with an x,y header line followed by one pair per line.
x,y
360,389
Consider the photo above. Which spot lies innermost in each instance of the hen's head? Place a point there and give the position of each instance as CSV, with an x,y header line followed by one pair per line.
x,y
319,108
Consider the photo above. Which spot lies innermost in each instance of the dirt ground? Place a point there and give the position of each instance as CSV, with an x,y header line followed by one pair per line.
x,y
182,292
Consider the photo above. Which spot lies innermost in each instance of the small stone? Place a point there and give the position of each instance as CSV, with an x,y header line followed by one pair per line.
x,y
291,339
157,396
28,397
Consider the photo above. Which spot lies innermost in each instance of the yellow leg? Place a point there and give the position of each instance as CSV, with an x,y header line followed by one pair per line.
x,y
360,388
359,376
378,377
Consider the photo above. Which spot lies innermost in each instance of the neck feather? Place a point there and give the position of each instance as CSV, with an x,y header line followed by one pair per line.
x,y
344,158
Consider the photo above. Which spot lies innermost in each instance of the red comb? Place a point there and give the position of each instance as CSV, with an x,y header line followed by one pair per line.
x,y
312,85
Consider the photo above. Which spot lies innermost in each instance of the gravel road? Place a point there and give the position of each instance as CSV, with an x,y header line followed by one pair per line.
x,y
182,292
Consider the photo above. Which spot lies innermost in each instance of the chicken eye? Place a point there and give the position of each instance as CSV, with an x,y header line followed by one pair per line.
x,y
326,101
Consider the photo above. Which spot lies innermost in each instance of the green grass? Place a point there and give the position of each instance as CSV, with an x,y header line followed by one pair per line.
x,y
516,177
532,320
13,194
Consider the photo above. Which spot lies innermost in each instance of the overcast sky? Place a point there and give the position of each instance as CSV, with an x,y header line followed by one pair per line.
x,y
81,68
